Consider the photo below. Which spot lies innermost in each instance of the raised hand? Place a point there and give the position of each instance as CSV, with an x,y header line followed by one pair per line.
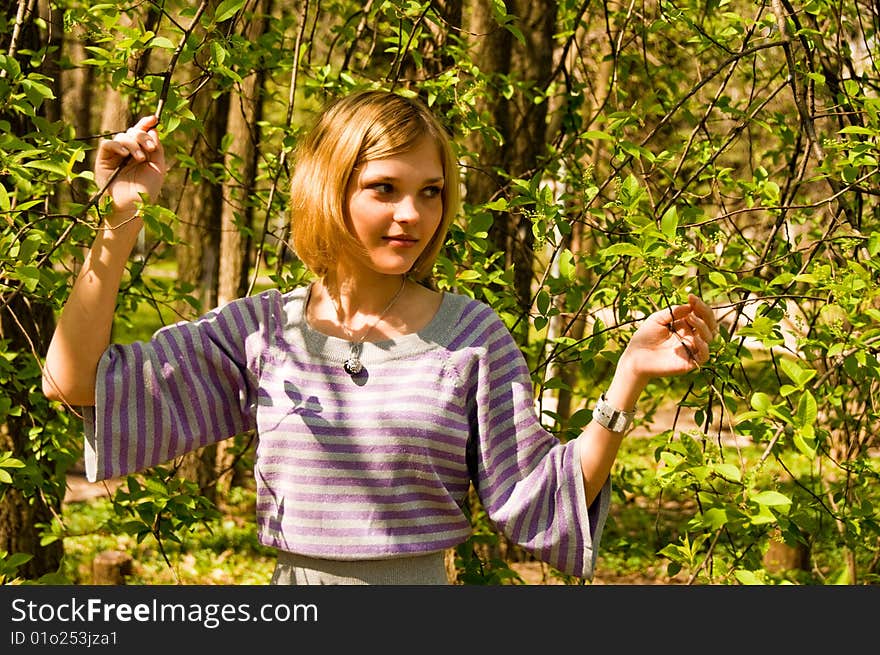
x,y
672,341
141,157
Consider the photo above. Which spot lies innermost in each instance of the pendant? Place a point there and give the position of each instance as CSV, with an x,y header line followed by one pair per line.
x,y
353,364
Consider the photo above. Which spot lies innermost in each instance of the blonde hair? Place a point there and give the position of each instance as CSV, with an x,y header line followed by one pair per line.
x,y
357,128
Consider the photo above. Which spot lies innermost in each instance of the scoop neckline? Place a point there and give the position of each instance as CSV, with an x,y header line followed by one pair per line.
x,y
431,331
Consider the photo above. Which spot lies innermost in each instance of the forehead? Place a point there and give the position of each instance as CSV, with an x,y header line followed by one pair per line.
x,y
423,159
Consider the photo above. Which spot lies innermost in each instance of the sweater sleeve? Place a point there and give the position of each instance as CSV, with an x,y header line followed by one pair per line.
x,y
192,384
529,482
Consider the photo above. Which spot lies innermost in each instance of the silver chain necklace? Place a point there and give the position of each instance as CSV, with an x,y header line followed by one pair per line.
x,y
353,364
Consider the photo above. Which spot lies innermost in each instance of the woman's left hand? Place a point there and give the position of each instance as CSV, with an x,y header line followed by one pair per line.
x,y
672,341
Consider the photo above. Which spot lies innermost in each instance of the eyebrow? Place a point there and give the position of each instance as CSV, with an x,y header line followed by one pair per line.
x,y
392,178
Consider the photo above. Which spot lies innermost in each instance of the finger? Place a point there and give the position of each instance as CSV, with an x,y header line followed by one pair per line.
x,y
696,348
128,140
704,311
700,350
113,148
138,143
671,315
146,123
698,325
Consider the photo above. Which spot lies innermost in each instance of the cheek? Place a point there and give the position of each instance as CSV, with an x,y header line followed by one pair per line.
x,y
362,217
432,211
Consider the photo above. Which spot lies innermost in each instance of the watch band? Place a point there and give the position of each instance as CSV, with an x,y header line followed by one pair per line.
x,y
612,418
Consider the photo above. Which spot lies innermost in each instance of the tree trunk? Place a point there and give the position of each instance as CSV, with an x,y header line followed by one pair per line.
x,y
245,114
532,63
26,324
580,240
198,255
520,122
22,510
241,160
200,209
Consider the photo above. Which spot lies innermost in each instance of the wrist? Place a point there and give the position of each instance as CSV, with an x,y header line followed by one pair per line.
x,y
627,385
611,417
129,220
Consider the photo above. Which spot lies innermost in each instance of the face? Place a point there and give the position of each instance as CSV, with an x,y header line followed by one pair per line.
x,y
395,206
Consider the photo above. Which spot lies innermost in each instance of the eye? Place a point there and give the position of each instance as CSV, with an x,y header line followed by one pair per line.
x,y
383,188
433,191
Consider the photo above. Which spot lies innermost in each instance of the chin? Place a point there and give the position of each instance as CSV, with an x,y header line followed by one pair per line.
x,y
394,268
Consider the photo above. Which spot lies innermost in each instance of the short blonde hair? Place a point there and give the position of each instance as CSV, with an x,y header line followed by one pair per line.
x,y
357,128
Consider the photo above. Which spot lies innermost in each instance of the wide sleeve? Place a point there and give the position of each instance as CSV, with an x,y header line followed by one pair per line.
x,y
529,482
192,384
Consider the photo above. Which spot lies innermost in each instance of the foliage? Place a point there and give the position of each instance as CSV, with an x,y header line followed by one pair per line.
x,y
723,147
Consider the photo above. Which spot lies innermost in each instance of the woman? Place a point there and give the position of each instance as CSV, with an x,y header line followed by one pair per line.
x,y
377,399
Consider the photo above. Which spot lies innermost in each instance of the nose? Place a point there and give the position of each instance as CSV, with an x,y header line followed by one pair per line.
x,y
406,209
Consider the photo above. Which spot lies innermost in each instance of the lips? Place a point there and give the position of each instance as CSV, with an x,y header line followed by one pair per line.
x,y
401,240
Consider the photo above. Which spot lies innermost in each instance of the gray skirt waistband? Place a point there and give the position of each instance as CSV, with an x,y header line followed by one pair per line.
x,y
293,569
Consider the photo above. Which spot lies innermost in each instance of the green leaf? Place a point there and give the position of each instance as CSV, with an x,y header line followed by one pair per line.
x,y
669,223
807,410
800,376
36,92
714,518
499,205
728,471
567,266
747,577
761,401
29,276
804,440
28,247
17,559
162,42
48,165
596,134
10,462
763,517
717,279
227,9
622,249
771,499
857,129
543,301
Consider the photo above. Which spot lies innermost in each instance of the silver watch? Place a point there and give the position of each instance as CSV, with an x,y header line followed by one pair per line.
x,y
612,418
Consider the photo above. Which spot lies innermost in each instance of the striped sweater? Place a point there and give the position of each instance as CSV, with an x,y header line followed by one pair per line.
x,y
370,466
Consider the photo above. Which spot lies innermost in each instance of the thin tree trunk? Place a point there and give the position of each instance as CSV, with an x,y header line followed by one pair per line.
x,y
198,256
26,325
245,114
579,239
520,122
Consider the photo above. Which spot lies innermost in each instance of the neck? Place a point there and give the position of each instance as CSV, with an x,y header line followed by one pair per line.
x,y
360,303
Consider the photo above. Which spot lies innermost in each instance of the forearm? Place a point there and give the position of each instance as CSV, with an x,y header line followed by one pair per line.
x,y
600,445
82,333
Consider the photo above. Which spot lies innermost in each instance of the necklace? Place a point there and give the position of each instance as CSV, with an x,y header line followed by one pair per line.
x,y
353,364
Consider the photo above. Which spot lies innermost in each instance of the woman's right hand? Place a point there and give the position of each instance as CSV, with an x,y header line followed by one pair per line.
x,y
140,153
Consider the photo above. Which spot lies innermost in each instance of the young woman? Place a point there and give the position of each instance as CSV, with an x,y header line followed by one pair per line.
x,y
377,400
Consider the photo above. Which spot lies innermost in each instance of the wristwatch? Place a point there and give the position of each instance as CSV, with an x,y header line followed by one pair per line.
x,y
612,418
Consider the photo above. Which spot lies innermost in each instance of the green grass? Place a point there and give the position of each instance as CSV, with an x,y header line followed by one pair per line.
x,y
225,551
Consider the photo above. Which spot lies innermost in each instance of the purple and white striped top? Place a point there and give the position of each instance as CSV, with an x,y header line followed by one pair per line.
x,y
371,466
